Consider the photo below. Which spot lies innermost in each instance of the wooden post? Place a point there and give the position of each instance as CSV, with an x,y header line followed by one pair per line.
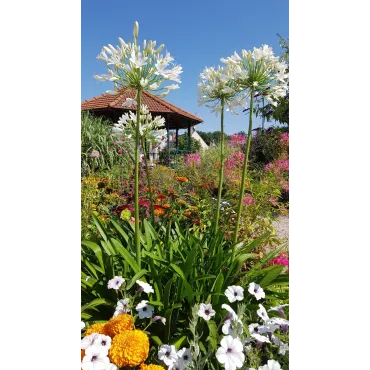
x,y
189,137
177,140
168,142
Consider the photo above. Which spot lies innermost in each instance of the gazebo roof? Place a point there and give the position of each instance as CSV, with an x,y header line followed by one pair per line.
x,y
111,105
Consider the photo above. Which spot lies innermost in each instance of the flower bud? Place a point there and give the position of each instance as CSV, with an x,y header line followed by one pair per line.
x,y
136,29
160,48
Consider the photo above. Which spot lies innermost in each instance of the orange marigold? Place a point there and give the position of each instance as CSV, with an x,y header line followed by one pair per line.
x,y
119,324
151,367
129,348
159,211
182,179
82,354
166,205
99,328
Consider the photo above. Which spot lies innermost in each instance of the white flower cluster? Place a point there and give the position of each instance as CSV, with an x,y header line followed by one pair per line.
x,y
96,348
176,360
141,68
217,87
231,85
150,128
231,350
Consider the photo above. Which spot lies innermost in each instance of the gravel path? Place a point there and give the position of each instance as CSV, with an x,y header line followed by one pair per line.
x,y
281,225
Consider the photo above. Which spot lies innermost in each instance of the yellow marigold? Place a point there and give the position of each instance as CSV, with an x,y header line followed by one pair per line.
x,y
119,324
129,348
151,367
99,328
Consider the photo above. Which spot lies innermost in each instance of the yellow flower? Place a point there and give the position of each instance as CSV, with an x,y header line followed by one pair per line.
x,y
119,324
151,367
95,213
129,348
99,328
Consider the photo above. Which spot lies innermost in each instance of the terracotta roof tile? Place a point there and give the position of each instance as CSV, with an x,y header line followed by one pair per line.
x,y
154,103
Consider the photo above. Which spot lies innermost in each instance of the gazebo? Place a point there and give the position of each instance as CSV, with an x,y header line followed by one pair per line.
x,y
110,106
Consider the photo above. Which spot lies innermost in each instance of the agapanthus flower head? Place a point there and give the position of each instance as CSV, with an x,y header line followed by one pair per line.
x,y
130,348
218,87
259,71
139,67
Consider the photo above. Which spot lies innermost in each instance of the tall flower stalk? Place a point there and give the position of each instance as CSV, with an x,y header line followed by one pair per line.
x,y
218,89
142,69
258,73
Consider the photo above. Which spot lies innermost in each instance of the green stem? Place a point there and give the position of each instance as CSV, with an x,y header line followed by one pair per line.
x,y
221,175
242,186
137,159
148,180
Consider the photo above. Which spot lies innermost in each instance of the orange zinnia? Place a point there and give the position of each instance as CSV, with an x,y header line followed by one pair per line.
x,y
187,213
182,179
166,205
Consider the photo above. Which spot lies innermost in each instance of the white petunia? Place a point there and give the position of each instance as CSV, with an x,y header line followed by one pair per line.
x,y
283,348
167,354
89,340
206,311
145,310
103,341
116,282
82,325
271,365
185,355
260,338
129,102
230,353
123,305
231,326
282,323
231,313
147,288
95,358
279,309
262,313
234,293
256,290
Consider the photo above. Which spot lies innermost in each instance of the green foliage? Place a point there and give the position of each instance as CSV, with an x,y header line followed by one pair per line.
x,y
184,268
95,136
213,137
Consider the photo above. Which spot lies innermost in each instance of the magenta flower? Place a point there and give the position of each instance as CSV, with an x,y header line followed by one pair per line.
x,y
95,154
248,200
237,140
192,159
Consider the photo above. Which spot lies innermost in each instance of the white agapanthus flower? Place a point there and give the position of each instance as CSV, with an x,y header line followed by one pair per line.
x,y
206,311
234,293
271,365
262,313
145,287
145,310
96,358
167,354
139,67
259,71
217,89
230,353
256,290
151,128
116,282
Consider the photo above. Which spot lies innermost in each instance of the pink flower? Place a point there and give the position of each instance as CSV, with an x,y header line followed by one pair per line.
x,y
192,159
284,139
273,201
237,139
120,151
95,154
280,260
248,200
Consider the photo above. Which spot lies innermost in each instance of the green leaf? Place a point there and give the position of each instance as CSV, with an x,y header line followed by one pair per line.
x,y
156,340
179,342
188,289
212,337
97,251
126,255
270,276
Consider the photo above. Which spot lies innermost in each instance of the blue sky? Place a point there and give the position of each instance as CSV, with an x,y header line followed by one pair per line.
x,y
197,33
